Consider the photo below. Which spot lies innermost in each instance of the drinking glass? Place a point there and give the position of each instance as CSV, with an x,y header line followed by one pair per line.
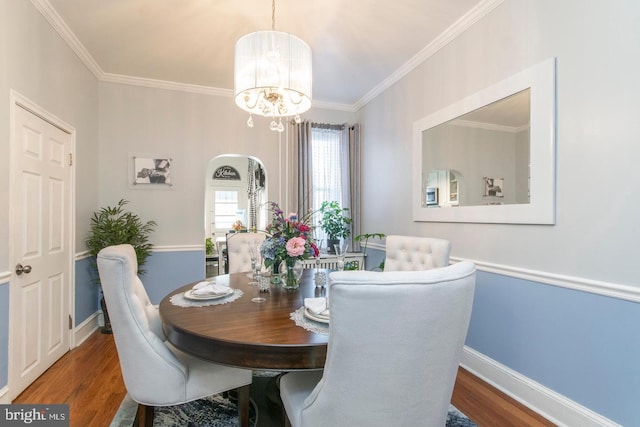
x,y
341,251
319,277
257,267
254,261
257,273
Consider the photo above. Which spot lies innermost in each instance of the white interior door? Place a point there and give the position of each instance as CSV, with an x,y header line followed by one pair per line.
x,y
41,230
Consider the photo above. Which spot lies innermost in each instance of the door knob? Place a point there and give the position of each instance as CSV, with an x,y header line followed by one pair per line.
x,y
20,269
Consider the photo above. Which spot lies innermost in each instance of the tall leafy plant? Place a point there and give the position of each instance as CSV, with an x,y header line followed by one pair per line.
x,y
334,220
113,225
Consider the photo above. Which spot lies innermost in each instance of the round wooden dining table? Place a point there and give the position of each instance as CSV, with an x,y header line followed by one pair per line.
x,y
246,334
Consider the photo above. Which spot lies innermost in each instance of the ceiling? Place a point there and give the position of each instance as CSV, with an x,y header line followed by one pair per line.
x,y
359,47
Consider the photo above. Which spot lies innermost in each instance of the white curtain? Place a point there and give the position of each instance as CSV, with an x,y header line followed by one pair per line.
x,y
327,169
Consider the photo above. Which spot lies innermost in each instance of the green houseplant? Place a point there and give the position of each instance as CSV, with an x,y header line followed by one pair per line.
x,y
335,222
366,237
115,226
209,247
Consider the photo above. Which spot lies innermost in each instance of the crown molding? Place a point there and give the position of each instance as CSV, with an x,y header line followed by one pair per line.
x,y
50,14
164,84
489,126
597,287
333,106
457,28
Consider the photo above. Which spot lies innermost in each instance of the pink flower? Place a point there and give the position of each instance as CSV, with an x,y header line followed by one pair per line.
x,y
304,228
295,246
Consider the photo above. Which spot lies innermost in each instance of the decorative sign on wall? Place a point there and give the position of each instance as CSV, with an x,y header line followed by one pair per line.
x,y
227,173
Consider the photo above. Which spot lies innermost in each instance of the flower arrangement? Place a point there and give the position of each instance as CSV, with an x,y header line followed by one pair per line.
x,y
291,240
238,226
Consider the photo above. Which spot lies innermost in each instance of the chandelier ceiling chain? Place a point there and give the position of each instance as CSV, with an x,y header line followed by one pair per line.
x,y
272,75
273,15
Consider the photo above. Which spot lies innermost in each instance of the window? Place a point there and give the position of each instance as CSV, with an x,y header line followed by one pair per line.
x,y
329,164
225,208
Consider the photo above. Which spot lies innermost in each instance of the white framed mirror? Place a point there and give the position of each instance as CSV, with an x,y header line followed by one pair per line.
x,y
490,158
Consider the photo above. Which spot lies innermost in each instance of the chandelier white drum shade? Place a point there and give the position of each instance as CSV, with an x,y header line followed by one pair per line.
x,y
272,74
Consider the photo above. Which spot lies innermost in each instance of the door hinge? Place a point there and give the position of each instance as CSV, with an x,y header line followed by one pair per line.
x,y
70,159
70,323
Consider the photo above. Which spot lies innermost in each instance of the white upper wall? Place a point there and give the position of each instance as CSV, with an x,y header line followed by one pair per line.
x,y
191,129
598,64
39,65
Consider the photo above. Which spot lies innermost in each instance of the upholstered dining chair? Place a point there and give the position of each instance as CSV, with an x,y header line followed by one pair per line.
x,y
238,250
408,253
395,342
156,373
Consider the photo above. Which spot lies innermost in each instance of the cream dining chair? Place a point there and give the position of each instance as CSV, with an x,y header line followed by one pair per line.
x,y
395,342
238,255
408,253
156,373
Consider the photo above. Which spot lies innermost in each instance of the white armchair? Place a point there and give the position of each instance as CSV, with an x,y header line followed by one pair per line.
x,y
395,342
238,250
156,373
407,253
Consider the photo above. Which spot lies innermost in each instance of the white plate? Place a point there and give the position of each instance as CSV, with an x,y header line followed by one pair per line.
x,y
316,317
190,295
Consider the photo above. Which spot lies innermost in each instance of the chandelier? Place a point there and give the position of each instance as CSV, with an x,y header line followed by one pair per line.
x,y
272,75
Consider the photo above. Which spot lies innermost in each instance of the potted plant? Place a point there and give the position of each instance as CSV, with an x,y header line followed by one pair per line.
x,y
366,237
209,247
335,223
115,226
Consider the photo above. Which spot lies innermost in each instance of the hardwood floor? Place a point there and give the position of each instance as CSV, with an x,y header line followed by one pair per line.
x,y
88,378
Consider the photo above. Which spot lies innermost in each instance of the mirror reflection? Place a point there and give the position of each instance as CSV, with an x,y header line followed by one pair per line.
x,y
236,187
480,158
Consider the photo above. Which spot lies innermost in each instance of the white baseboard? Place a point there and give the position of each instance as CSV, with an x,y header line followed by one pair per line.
x,y
553,406
4,396
86,328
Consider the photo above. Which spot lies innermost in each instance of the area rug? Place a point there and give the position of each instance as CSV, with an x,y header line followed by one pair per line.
x,y
219,411
214,411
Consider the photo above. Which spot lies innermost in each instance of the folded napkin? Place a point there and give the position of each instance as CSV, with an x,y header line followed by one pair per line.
x,y
317,306
209,288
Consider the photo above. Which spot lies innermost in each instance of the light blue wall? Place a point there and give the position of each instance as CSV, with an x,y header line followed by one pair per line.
x,y
87,290
166,271
4,334
374,258
581,345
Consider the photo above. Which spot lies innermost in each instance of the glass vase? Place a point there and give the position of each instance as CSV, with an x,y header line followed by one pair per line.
x,y
275,274
292,274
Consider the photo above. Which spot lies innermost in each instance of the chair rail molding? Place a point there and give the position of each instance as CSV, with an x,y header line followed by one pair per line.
x,y
598,287
4,277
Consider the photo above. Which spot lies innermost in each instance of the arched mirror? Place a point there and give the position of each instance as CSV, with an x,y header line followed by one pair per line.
x,y
236,188
490,157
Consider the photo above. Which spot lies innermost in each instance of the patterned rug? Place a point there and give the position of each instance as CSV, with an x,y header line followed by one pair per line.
x,y
218,411
213,411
